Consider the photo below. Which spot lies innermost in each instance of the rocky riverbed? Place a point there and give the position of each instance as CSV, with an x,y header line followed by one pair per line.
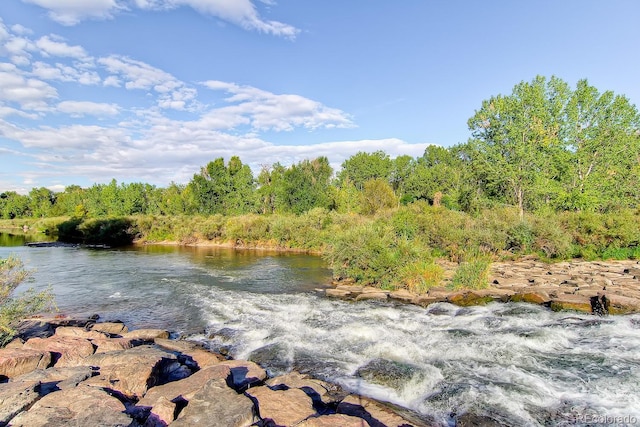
x,y
602,287
82,373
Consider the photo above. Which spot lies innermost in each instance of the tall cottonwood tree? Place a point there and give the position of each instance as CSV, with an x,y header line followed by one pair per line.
x,y
516,138
602,136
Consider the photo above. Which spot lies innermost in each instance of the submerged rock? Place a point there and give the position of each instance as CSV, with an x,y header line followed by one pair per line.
x,y
388,373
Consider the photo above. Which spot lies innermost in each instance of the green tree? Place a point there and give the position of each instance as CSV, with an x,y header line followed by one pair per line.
x,y
14,308
377,195
361,167
602,135
13,205
306,185
41,201
516,138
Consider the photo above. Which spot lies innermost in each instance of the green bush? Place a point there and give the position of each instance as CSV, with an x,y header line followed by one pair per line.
x,y
471,274
15,308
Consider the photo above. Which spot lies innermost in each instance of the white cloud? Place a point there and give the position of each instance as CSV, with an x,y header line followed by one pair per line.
x,y
84,137
112,81
31,94
172,92
81,108
64,73
48,46
19,29
239,12
71,12
268,111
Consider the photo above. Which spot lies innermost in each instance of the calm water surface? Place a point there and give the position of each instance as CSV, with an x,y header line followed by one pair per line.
x,y
519,364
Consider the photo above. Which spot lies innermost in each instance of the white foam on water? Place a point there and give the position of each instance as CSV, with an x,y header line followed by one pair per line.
x,y
520,362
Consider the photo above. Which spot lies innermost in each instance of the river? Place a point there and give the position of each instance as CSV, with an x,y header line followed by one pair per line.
x,y
519,364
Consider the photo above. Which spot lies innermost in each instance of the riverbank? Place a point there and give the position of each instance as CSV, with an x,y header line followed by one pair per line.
x,y
598,287
80,372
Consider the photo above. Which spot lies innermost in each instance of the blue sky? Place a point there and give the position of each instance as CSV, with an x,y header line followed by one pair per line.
x,y
151,90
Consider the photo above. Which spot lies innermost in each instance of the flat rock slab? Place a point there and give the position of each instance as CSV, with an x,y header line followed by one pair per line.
x,y
132,371
146,334
216,404
53,379
111,328
77,332
16,397
18,361
68,351
185,388
334,420
78,406
283,407
202,357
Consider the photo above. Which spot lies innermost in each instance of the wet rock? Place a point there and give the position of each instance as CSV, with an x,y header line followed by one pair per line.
x,y
217,402
131,372
469,298
426,300
16,397
282,407
533,297
18,361
333,421
111,328
571,302
78,406
388,373
66,351
619,304
275,358
244,374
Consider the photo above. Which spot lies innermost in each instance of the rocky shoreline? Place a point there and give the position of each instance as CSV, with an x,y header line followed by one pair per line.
x,y
598,287
82,373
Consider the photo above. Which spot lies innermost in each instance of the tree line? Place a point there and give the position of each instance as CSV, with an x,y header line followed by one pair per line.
x,y
545,147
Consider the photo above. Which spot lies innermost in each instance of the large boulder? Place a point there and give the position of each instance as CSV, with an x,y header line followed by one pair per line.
x,y
67,351
53,379
132,372
146,334
77,332
16,397
18,361
180,391
78,406
388,373
202,357
282,407
217,402
317,390
244,374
